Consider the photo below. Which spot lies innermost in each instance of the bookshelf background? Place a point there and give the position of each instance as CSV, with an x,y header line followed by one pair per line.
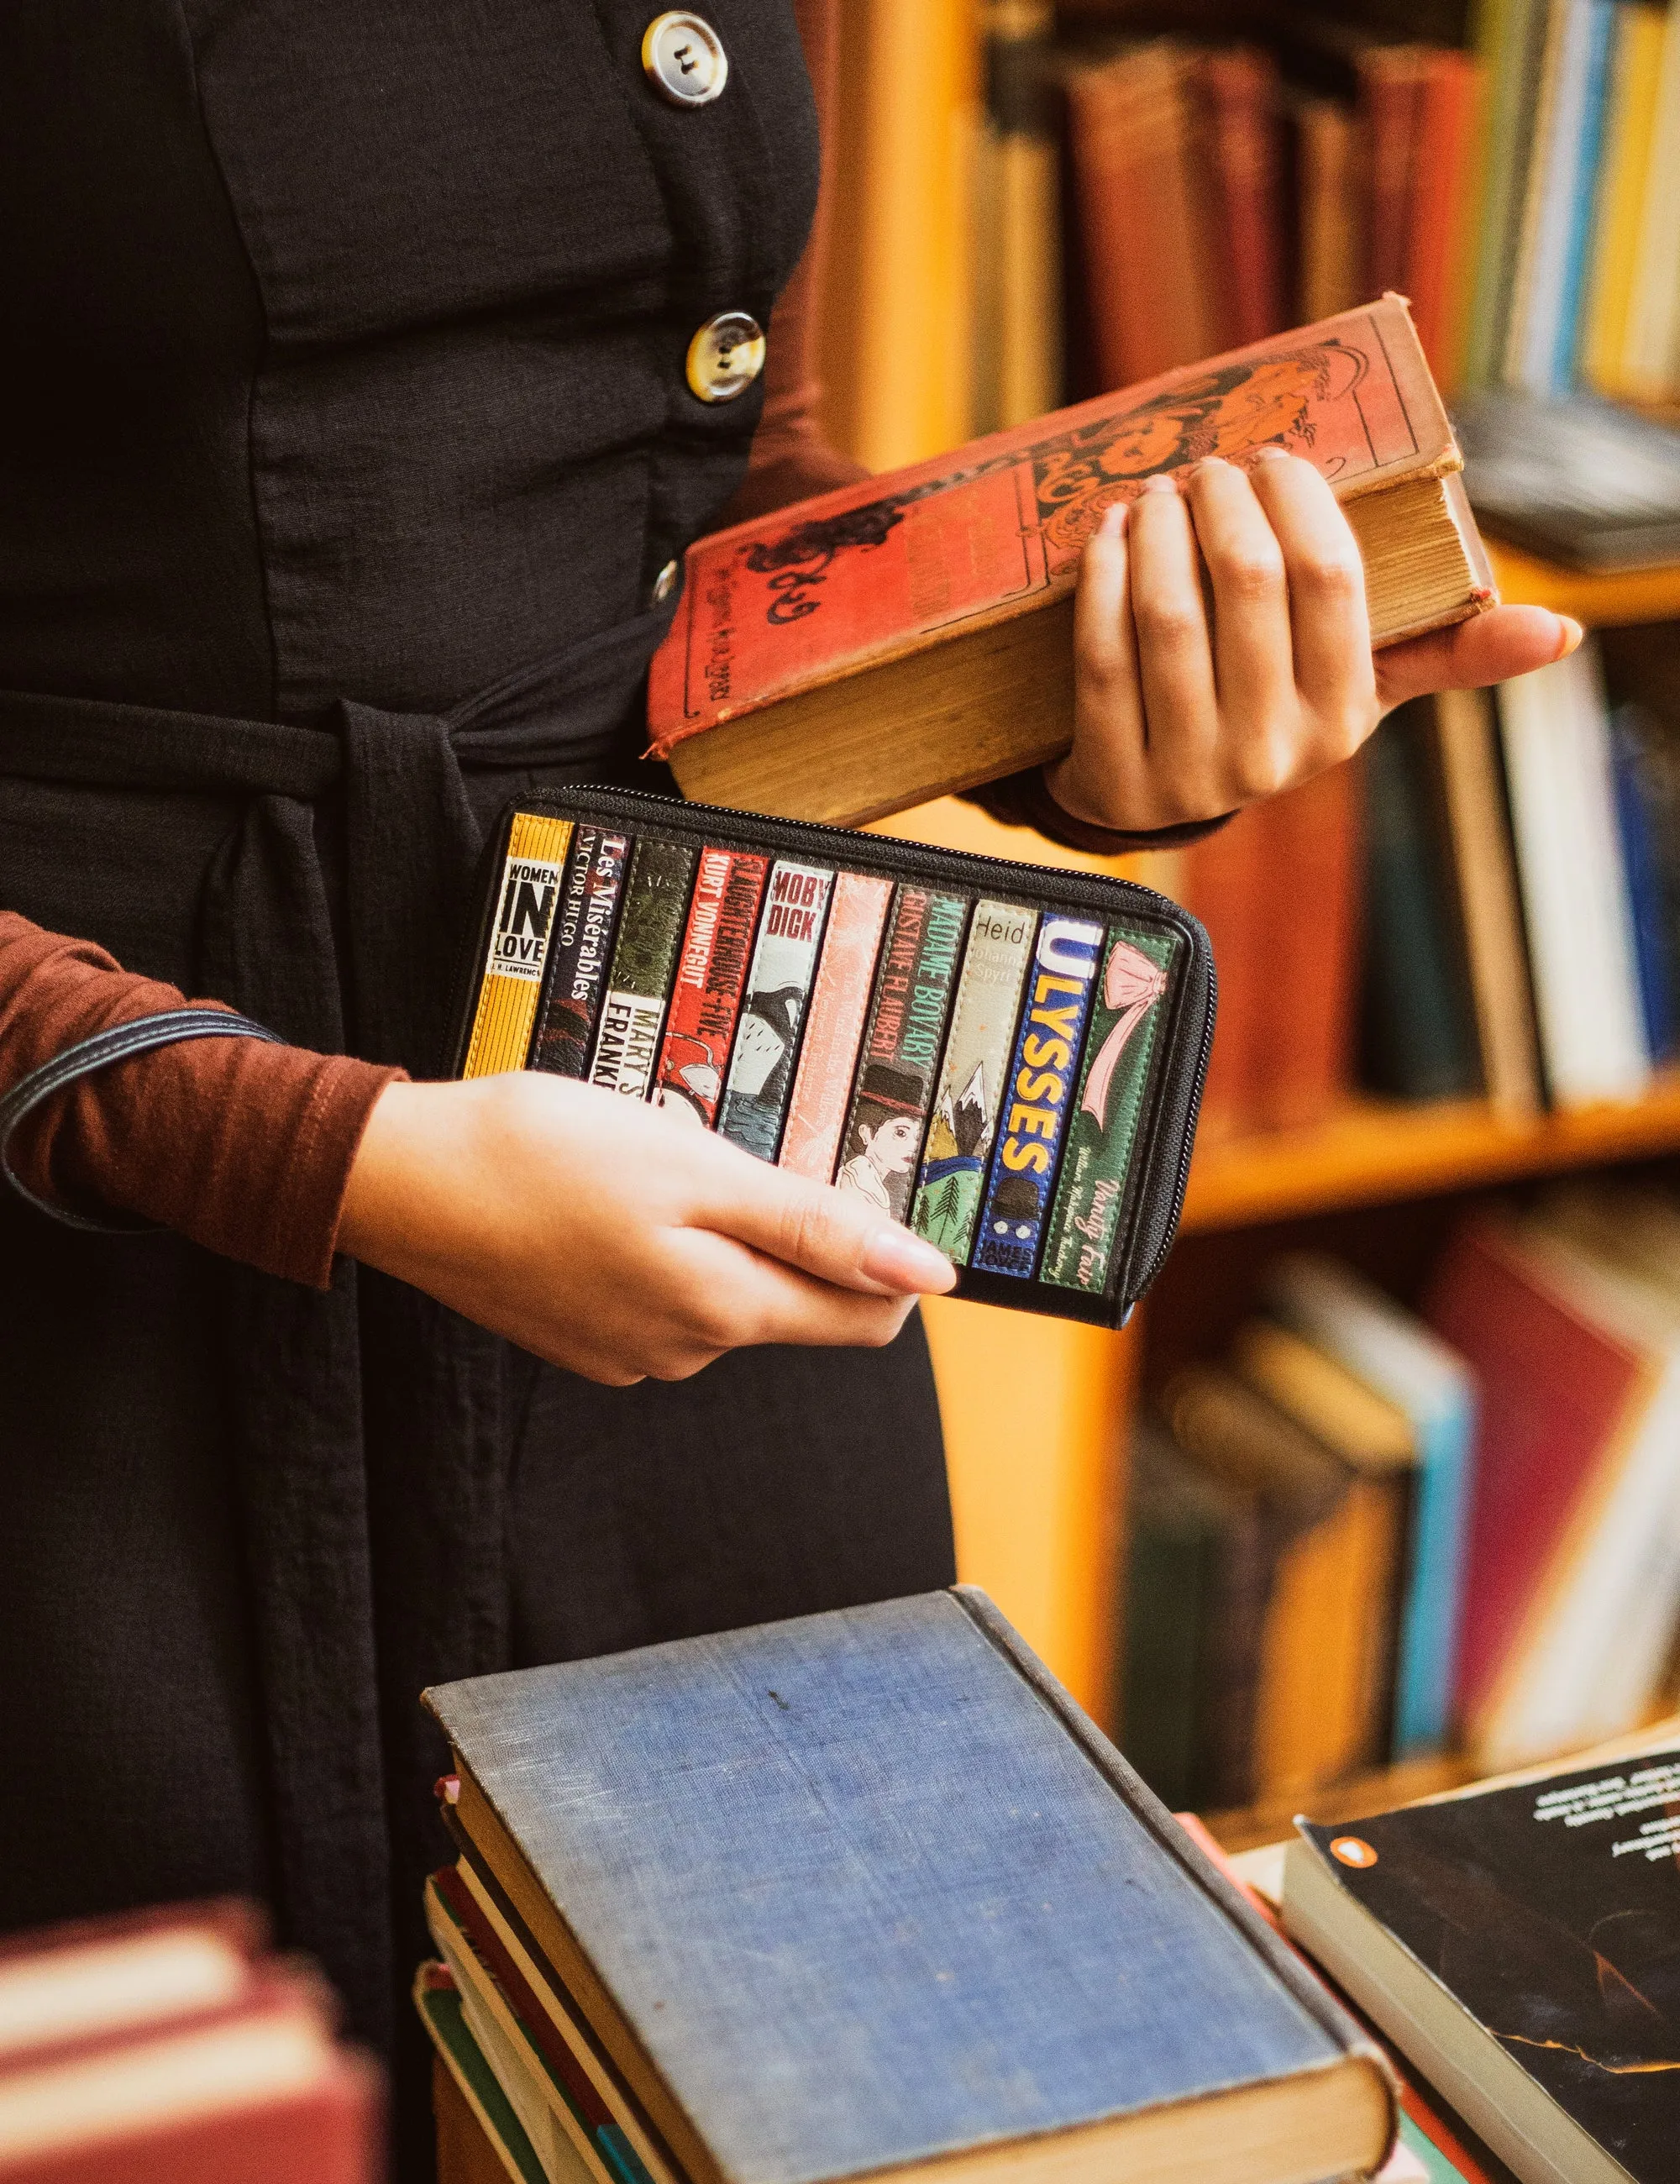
x,y
1037,1412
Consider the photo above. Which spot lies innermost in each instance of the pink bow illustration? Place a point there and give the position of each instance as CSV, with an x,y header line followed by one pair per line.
x,y
1131,982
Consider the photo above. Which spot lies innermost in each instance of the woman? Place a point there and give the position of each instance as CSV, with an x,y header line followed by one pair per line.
x,y
367,370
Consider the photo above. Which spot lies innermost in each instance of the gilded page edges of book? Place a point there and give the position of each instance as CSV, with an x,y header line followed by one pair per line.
x,y
1298,2051
856,577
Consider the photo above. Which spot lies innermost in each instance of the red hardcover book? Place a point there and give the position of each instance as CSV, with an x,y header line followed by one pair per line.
x,y
1240,96
1390,91
329,2133
911,634
243,2094
1225,878
90,1978
1441,201
1308,956
1150,289
828,1060
711,973
1553,1387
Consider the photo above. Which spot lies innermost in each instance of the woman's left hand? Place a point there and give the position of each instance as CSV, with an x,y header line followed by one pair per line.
x,y
1222,651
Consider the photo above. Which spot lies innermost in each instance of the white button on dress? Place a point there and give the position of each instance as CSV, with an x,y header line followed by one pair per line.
x,y
684,58
725,357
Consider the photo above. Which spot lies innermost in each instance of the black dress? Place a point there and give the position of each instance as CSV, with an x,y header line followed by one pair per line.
x,y
343,434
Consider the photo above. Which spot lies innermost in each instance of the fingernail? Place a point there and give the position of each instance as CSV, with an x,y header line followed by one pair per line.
x,y
1573,635
1271,452
1162,481
1210,463
899,1260
1113,525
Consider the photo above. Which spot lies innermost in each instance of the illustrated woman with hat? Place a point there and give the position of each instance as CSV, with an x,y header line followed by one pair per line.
x,y
367,370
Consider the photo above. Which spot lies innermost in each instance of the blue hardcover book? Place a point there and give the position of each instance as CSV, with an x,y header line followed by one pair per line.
x,y
1589,181
866,1892
1395,1354
1637,822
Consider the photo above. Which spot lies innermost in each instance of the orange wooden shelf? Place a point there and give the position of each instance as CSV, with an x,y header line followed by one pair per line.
x,y
1374,1151
1640,595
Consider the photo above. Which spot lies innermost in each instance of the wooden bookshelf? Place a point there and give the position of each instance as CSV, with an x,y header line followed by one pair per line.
x,y
1639,595
1375,1150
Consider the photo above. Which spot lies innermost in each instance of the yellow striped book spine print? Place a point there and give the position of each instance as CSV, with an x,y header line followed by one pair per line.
x,y
519,945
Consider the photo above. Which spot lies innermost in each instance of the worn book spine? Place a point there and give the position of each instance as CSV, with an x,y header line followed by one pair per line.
x,y
1079,1249
965,1122
644,963
900,1054
773,1014
828,1059
511,985
711,975
1066,960
580,951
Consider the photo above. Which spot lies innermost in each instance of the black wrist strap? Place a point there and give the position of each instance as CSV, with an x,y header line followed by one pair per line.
x,y
87,1056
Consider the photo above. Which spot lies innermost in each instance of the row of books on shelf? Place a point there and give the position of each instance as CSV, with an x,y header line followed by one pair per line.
x,y
1367,1531
1146,202
1486,902
1279,164
171,2045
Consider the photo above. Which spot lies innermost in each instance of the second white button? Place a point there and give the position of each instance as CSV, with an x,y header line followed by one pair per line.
x,y
684,57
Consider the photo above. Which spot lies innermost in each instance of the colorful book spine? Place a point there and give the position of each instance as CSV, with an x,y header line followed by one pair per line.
x,y
1066,960
834,1030
778,988
644,963
579,955
965,1122
531,873
901,1048
711,975
1118,1045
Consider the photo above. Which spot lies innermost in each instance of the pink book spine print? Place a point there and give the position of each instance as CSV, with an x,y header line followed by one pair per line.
x,y
822,1090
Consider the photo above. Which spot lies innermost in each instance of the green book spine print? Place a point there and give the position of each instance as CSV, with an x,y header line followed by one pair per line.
x,y
644,964
1118,1045
971,1080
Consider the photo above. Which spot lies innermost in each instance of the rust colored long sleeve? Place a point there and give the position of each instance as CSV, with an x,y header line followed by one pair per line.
x,y
243,1146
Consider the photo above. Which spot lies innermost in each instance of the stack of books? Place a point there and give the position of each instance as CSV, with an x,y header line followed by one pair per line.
x,y
1517,1942
168,2045
1368,1533
860,1894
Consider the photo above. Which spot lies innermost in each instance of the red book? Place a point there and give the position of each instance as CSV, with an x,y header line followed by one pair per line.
x,y
1554,1389
1226,878
1240,96
92,1978
1307,957
1148,267
1441,195
711,974
254,2091
1390,91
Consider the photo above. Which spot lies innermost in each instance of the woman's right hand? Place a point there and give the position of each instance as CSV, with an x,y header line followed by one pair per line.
x,y
612,1238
